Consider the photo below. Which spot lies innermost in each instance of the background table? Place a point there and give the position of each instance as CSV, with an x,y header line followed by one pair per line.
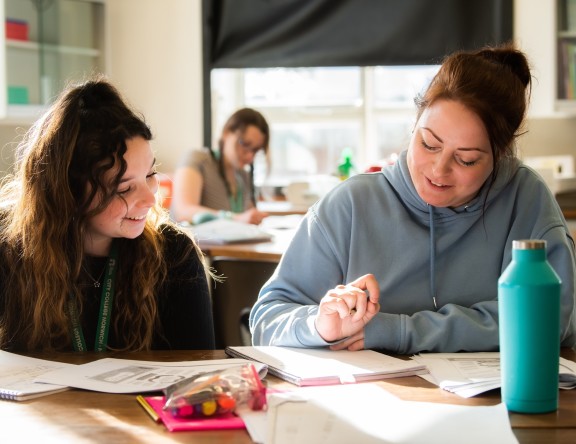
x,y
262,251
245,267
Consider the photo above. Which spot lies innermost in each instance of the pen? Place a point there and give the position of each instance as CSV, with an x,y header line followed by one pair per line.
x,y
148,408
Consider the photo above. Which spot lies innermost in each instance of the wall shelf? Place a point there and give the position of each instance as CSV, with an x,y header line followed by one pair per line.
x,y
69,50
566,56
52,43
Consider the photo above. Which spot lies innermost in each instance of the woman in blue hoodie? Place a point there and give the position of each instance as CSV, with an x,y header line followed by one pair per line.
x,y
408,259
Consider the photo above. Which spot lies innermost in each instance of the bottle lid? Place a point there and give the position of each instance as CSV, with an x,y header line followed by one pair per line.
x,y
529,244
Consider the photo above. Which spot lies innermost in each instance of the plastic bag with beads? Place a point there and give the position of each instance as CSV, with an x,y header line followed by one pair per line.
x,y
215,393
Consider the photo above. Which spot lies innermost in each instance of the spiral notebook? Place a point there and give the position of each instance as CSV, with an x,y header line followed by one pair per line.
x,y
24,393
17,374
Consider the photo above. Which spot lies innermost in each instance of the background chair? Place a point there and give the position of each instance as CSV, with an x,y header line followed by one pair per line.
x,y
233,297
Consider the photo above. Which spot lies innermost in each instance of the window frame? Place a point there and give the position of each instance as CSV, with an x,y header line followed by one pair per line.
x,y
366,113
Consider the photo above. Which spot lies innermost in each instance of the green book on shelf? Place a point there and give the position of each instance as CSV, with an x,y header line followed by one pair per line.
x,y
17,95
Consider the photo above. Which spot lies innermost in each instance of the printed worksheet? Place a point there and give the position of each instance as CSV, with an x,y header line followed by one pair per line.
x,y
112,375
469,374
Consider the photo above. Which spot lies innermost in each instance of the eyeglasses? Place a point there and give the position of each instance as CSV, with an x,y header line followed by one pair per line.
x,y
246,146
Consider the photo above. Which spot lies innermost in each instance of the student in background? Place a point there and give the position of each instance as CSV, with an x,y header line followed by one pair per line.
x,y
212,184
88,258
408,259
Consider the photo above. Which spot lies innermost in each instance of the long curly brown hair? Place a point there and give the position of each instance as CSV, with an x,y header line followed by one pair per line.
x,y
60,168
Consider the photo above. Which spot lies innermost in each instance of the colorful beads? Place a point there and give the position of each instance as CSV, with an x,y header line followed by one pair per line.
x,y
211,405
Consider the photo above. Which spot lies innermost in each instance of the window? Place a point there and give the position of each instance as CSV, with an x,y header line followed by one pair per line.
x,y
317,113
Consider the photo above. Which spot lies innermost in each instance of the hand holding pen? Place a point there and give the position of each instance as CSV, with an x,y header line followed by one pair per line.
x,y
346,309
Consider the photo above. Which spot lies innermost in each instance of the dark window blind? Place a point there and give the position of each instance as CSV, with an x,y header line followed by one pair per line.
x,y
312,33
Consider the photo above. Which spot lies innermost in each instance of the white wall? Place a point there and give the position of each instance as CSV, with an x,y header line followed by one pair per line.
x,y
534,31
155,58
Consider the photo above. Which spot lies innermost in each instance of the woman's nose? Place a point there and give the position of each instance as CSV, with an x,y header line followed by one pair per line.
x,y
251,154
148,195
441,166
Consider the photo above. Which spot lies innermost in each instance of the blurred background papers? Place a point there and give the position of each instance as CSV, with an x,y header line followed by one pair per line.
x,y
224,231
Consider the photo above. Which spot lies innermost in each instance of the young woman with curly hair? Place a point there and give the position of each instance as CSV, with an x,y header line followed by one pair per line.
x,y
88,258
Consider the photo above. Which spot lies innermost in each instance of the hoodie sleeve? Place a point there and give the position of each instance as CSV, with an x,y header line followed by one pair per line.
x,y
287,305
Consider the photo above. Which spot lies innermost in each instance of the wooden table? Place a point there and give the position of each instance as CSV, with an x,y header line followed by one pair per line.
x,y
77,416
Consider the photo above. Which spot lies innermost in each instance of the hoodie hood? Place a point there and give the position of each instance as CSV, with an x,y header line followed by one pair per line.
x,y
399,177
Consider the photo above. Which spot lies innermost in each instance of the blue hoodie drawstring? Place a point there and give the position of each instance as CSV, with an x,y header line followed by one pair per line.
x,y
432,256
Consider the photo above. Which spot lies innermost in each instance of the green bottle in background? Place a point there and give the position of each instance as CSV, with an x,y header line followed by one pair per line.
x,y
529,323
346,166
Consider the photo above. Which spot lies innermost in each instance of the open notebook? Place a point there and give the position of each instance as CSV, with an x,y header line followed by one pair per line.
x,y
322,366
224,231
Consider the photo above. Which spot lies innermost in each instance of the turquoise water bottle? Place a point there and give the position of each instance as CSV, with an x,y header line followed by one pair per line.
x,y
529,322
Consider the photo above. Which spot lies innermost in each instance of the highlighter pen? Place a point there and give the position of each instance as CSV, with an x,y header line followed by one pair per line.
x,y
148,408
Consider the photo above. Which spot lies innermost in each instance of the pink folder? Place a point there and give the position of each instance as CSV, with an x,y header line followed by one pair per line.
x,y
173,424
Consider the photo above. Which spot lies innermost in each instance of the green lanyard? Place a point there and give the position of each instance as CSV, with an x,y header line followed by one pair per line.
x,y
237,200
106,298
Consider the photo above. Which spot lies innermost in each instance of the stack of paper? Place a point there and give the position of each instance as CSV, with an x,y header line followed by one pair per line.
x,y
469,374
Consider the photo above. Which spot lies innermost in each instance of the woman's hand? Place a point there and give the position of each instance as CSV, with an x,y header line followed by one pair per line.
x,y
345,310
352,343
251,216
